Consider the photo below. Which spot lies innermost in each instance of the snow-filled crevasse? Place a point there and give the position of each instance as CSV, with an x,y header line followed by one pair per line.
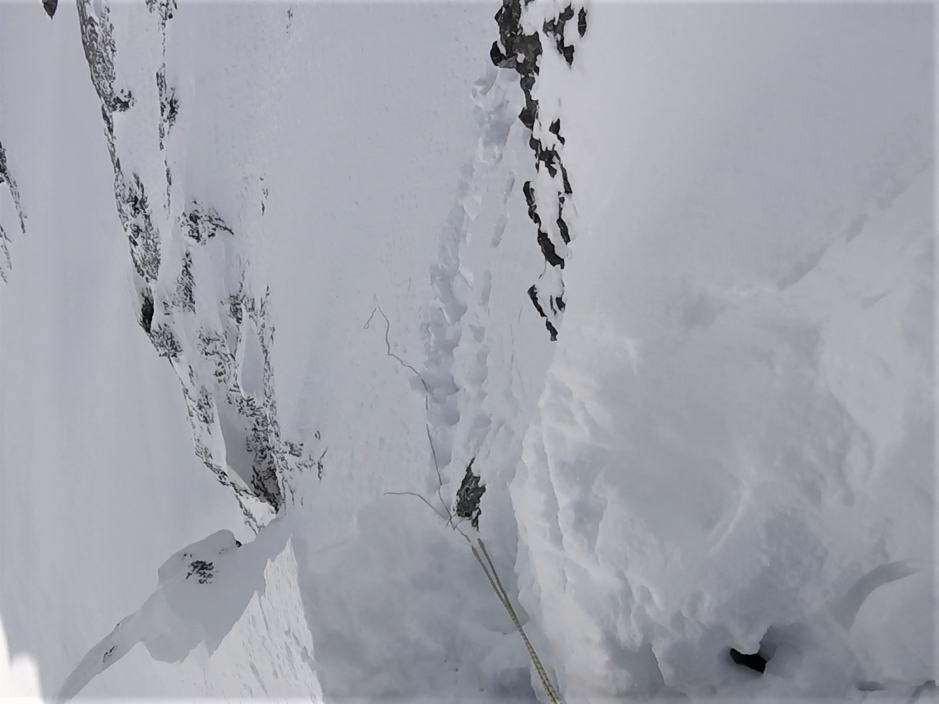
x,y
8,186
199,302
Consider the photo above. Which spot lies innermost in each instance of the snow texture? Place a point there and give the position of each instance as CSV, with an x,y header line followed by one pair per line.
x,y
640,295
734,444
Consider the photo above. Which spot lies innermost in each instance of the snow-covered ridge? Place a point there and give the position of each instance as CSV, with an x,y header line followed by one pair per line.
x,y
202,593
521,29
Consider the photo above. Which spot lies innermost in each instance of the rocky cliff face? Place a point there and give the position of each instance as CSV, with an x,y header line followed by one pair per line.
x,y
192,275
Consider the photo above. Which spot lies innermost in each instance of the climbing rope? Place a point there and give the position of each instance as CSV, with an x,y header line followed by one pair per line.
x,y
497,587
447,515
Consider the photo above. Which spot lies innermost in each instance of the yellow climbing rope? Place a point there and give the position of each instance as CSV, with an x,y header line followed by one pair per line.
x,y
497,587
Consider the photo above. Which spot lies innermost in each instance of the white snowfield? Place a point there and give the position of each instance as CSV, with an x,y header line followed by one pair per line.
x,y
269,299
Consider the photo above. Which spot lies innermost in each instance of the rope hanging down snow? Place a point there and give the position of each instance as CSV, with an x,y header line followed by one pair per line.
x,y
497,587
447,515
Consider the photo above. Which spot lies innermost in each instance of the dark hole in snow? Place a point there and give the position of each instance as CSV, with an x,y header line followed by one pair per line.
x,y
754,661
865,686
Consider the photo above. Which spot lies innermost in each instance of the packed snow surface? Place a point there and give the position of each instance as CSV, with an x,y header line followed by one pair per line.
x,y
281,282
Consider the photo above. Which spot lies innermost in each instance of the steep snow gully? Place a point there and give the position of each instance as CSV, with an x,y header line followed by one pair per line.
x,y
699,455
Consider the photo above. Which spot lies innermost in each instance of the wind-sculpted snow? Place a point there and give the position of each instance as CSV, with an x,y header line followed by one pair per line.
x,y
202,592
733,455
741,485
8,186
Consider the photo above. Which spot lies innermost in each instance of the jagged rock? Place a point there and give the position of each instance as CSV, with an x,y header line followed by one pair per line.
x,y
165,341
122,101
548,250
164,8
567,184
555,28
548,157
146,311
99,46
530,200
533,295
185,283
469,495
50,7
201,224
169,108
755,661
518,50
562,228
133,209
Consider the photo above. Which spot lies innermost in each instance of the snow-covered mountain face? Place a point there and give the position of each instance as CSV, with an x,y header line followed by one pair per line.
x,y
641,296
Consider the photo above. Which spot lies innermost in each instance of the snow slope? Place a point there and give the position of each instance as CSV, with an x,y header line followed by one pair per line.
x,y
99,483
734,445
301,244
365,421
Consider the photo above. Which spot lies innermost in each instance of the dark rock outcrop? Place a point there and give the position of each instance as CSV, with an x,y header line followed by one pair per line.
x,y
469,495
522,52
6,179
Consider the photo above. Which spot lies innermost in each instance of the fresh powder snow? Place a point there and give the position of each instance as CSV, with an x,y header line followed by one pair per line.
x,y
533,351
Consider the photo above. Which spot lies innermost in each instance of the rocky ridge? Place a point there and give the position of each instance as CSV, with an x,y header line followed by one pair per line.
x,y
7,180
550,191
219,345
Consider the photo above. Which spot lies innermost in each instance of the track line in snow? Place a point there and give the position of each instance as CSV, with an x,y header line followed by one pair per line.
x,y
457,318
